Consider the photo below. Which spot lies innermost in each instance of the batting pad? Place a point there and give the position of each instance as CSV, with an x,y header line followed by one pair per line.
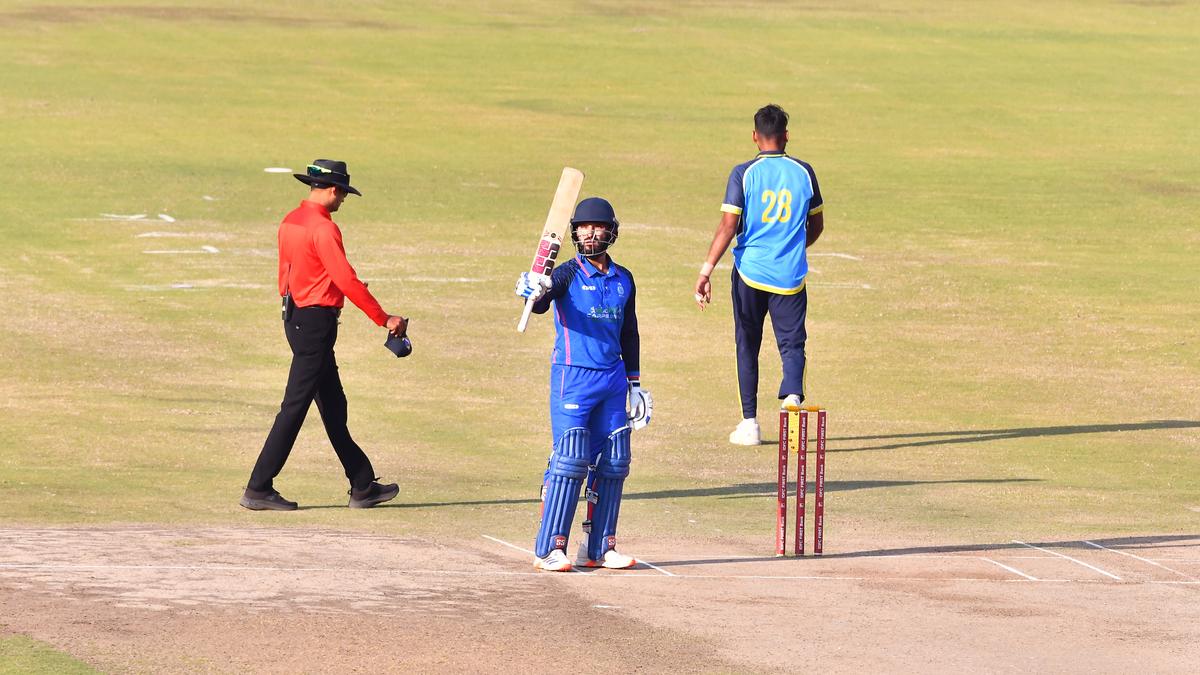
x,y
568,467
611,471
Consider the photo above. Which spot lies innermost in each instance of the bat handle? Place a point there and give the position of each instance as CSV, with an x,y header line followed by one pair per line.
x,y
525,316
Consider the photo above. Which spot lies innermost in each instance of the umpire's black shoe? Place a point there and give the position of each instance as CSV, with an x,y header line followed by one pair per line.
x,y
374,494
265,501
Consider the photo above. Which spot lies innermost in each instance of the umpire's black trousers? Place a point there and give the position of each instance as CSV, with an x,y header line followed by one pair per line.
x,y
311,333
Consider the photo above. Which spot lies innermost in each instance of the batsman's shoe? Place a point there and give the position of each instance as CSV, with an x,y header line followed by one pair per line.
x,y
746,433
265,501
611,560
555,561
791,402
374,494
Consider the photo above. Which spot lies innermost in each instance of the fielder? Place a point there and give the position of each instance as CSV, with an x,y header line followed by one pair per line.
x,y
595,394
773,207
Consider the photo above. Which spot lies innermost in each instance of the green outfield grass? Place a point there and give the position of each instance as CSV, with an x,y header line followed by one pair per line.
x,y
20,655
1007,343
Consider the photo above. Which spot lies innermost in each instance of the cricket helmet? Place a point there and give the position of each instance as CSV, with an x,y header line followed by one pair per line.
x,y
595,210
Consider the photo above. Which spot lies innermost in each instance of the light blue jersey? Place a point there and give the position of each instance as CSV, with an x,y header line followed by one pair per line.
x,y
774,194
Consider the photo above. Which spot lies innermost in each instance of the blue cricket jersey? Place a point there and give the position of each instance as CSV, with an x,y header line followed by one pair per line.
x,y
774,194
595,318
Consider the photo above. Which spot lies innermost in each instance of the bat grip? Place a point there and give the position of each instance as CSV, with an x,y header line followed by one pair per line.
x,y
525,316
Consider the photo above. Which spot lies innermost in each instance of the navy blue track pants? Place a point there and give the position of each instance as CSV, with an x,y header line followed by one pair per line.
x,y
750,309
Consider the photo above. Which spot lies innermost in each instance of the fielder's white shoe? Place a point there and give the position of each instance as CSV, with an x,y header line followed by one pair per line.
x,y
792,401
611,560
555,561
746,433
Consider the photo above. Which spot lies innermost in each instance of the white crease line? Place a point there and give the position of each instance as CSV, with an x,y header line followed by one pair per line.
x,y
248,568
191,287
1010,569
957,555
610,577
435,280
244,568
840,284
189,568
166,233
1092,567
202,249
847,256
514,546
655,567
523,550
1138,557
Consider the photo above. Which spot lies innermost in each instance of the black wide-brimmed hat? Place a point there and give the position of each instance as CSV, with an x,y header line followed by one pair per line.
x,y
327,173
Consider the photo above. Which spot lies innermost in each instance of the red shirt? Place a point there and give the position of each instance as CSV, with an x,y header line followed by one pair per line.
x,y
313,265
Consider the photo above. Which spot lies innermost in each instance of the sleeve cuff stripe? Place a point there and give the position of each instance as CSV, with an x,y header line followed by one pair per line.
x,y
817,210
729,208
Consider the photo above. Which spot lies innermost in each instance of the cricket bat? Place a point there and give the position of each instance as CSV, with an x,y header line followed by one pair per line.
x,y
553,232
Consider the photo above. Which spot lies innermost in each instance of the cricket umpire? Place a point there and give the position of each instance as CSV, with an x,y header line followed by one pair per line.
x,y
773,207
314,280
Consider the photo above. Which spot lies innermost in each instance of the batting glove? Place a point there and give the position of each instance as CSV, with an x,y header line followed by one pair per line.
x,y
639,406
533,286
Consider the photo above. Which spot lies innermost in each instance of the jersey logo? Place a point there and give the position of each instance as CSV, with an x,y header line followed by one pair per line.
x,y
605,313
588,288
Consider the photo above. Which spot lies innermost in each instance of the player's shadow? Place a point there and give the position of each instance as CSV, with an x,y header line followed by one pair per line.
x,y
1115,543
839,444
748,490
735,491
928,438
1119,543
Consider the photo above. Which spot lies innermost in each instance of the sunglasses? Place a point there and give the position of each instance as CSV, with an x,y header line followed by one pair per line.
x,y
318,171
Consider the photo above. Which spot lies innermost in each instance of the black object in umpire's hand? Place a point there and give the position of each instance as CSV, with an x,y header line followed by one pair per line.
x,y
399,345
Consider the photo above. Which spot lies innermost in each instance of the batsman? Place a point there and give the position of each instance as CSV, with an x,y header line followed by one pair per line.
x,y
595,394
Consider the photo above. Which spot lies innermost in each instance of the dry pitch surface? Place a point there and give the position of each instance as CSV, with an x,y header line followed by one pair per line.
x,y
277,600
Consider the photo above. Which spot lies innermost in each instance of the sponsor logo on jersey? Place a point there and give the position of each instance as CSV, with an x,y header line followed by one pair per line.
x,y
605,313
